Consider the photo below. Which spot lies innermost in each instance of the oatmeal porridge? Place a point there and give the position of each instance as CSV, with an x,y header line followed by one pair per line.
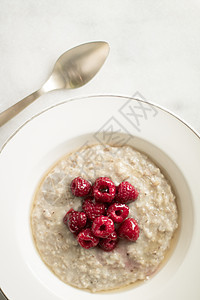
x,y
155,211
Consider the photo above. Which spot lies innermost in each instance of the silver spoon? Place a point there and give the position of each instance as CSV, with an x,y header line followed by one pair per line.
x,y
73,69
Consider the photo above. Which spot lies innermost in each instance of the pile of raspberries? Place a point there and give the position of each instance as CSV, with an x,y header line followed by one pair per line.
x,y
103,219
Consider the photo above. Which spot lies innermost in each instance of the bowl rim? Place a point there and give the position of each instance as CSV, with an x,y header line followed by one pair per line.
x,y
99,96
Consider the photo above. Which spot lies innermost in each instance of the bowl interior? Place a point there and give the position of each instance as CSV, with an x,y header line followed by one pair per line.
x,y
180,242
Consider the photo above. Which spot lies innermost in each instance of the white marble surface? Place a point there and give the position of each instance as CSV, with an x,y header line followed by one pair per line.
x,y
155,50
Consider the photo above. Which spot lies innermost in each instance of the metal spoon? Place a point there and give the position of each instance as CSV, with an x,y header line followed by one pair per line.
x,y
73,69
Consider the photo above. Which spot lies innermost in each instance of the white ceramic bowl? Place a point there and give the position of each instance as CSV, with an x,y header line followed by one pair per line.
x,y
25,157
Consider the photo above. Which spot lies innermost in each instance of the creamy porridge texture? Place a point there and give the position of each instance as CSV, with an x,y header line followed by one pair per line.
x,y
155,211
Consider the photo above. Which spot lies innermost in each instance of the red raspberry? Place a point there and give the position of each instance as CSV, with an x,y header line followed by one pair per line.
x,y
104,190
80,187
75,220
102,227
118,212
109,243
113,236
93,210
86,239
126,192
65,219
129,229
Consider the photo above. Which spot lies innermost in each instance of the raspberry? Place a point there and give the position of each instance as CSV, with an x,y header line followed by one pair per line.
x,y
113,236
126,192
109,243
91,226
75,220
118,212
65,219
104,190
93,210
86,239
80,187
102,227
129,229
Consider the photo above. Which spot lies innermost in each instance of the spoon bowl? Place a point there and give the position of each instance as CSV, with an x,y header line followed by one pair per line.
x,y
73,69
77,66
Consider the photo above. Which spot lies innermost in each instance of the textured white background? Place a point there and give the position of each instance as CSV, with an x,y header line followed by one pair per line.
x,y
155,50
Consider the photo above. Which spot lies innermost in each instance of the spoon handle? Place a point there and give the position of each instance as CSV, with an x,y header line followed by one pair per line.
x,y
12,111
